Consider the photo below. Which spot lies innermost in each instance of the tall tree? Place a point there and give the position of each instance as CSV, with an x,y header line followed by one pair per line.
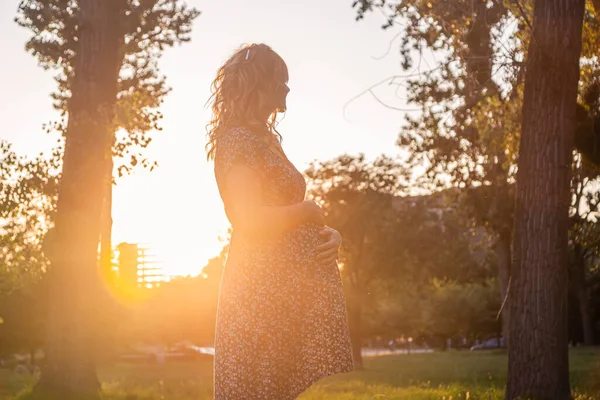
x,y
73,282
148,27
538,354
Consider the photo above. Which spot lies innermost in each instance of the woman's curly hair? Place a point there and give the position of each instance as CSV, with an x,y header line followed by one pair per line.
x,y
243,88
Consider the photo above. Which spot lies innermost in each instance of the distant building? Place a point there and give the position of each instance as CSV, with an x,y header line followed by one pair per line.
x,y
138,267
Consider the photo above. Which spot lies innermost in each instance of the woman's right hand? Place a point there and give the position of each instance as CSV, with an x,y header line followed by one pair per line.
x,y
314,213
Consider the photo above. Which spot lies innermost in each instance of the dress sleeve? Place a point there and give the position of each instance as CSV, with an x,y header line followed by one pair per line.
x,y
237,146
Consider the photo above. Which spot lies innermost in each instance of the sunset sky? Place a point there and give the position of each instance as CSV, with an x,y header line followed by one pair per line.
x,y
176,209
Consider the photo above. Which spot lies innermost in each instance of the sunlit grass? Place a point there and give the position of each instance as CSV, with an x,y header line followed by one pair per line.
x,y
455,375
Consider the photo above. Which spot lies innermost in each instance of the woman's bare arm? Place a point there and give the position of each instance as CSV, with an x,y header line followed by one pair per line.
x,y
248,213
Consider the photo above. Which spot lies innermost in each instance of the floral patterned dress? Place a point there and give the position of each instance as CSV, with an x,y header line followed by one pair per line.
x,y
281,319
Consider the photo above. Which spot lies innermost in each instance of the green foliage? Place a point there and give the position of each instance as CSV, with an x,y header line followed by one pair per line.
x,y
28,192
467,132
470,101
357,198
477,71
396,247
462,309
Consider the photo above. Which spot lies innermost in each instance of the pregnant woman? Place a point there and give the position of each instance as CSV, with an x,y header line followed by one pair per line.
x,y
281,320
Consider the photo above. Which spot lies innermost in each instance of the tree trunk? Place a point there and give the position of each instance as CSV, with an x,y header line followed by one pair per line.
x,y
354,302
583,298
106,231
538,365
586,317
355,325
503,256
74,281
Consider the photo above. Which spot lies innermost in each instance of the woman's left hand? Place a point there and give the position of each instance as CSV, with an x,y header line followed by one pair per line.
x,y
327,253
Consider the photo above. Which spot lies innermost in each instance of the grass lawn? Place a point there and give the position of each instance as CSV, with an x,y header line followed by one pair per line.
x,y
455,375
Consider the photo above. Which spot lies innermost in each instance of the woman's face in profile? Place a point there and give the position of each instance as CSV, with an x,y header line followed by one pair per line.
x,y
280,93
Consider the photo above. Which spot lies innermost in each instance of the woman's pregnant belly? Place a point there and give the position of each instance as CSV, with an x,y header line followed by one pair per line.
x,y
293,251
300,247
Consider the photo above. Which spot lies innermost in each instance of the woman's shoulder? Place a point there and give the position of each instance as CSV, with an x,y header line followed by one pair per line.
x,y
236,141
237,134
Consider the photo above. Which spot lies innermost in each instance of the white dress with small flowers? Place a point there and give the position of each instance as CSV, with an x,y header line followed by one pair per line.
x,y
281,319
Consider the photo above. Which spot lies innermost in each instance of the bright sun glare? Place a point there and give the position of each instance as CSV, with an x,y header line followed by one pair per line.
x,y
152,209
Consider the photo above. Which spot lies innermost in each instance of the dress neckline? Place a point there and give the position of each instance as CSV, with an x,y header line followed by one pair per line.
x,y
279,154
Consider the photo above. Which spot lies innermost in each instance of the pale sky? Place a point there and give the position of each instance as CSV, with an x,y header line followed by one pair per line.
x,y
176,208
